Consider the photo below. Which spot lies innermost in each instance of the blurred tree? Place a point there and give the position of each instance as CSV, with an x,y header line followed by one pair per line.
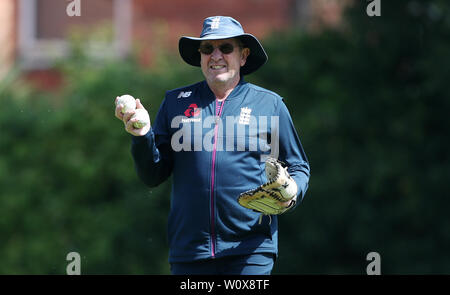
x,y
67,176
371,108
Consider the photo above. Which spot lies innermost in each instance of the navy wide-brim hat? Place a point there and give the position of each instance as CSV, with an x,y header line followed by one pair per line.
x,y
223,27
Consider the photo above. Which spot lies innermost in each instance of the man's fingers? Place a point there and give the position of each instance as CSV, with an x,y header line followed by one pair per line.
x,y
129,125
127,116
139,104
129,122
118,112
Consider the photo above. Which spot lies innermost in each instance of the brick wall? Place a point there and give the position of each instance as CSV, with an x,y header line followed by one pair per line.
x,y
7,35
157,24
185,17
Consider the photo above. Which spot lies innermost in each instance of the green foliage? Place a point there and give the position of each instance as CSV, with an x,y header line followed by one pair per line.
x,y
370,104
67,177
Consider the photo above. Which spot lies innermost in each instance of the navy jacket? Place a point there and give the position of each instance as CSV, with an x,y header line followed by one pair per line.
x,y
215,151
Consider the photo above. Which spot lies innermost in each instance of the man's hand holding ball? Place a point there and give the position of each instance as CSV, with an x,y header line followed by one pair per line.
x,y
133,114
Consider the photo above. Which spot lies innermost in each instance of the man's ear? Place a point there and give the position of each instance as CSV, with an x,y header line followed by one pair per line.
x,y
244,54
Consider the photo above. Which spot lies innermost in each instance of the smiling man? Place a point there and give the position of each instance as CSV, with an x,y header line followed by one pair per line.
x,y
234,155
221,64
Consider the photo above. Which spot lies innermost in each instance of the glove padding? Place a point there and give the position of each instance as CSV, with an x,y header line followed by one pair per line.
x,y
269,197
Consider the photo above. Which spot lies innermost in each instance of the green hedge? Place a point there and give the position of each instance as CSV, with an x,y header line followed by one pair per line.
x,y
371,106
67,177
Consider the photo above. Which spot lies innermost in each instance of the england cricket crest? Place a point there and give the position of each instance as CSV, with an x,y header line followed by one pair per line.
x,y
244,118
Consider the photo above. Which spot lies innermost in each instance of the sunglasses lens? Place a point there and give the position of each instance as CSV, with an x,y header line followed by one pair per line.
x,y
207,49
226,48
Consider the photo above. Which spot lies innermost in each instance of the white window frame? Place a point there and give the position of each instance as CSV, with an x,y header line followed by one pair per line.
x,y
35,53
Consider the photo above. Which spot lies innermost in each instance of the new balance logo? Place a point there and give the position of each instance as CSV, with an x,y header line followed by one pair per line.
x,y
184,94
215,23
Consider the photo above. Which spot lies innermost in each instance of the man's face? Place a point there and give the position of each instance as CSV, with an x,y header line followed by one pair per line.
x,y
221,60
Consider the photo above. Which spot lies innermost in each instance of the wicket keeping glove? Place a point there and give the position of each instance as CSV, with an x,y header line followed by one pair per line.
x,y
271,197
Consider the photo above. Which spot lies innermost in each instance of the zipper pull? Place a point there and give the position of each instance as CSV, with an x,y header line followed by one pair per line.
x,y
216,120
219,107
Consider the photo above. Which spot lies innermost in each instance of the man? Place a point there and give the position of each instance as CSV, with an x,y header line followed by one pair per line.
x,y
213,138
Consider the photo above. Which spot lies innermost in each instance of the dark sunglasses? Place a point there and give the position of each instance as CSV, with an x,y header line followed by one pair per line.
x,y
207,48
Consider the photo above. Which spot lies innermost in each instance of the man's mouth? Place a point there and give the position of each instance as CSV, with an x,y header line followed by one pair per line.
x,y
217,67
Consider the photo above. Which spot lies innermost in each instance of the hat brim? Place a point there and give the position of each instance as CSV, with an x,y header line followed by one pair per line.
x,y
188,48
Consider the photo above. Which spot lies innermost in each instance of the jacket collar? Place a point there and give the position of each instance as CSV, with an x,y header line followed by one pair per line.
x,y
233,95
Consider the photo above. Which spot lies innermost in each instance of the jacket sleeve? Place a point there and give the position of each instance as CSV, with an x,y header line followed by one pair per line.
x,y
291,151
152,153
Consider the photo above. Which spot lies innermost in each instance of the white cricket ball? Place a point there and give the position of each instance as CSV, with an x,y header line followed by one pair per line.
x,y
142,118
128,101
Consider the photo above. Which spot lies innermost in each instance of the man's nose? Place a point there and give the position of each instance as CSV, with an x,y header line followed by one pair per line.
x,y
216,54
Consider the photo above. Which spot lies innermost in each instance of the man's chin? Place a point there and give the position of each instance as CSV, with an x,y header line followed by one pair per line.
x,y
222,78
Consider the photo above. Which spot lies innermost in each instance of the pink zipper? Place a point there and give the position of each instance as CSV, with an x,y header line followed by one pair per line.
x,y
216,130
